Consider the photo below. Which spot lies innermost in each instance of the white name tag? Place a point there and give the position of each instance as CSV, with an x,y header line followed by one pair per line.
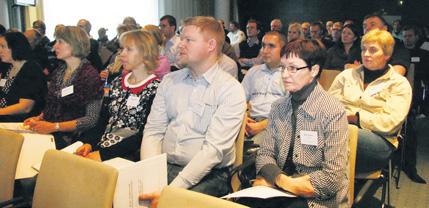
x,y
374,90
2,82
133,101
415,59
308,137
67,91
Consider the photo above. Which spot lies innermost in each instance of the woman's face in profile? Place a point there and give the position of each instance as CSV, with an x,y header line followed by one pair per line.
x,y
5,51
63,50
373,57
130,56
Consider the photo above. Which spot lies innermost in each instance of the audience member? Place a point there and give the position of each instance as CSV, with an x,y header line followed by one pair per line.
x,y
305,27
336,32
130,99
328,27
75,93
420,59
93,56
103,39
262,85
377,100
22,85
347,51
198,132
168,27
251,47
400,58
305,150
235,34
317,33
163,67
294,32
39,51
40,26
276,25
397,30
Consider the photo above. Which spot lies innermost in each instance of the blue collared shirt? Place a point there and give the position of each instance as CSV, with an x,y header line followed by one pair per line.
x,y
262,86
195,121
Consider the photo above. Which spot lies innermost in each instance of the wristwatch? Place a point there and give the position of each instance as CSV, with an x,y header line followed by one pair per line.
x,y
57,126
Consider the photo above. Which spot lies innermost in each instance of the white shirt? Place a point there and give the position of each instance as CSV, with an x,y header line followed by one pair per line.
x,y
262,86
236,37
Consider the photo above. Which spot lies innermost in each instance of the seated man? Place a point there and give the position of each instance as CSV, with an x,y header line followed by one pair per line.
x,y
196,114
262,85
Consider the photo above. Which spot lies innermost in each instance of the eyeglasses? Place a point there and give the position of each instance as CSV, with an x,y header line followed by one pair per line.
x,y
291,69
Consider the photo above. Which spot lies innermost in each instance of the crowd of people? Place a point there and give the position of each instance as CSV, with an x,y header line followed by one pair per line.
x,y
156,89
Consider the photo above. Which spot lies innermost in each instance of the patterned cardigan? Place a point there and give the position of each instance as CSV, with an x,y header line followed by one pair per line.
x,y
326,163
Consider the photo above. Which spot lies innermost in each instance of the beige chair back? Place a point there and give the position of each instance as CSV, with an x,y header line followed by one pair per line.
x,y
10,148
239,143
353,139
327,77
69,181
182,198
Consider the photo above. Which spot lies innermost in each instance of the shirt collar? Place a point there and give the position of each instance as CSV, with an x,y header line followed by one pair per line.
x,y
272,71
208,76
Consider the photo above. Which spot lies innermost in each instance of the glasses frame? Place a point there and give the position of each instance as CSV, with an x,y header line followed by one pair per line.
x,y
295,69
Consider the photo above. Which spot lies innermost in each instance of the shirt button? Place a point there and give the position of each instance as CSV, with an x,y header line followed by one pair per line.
x,y
296,155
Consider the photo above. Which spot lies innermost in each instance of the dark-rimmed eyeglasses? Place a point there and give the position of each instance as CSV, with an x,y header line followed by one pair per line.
x,y
292,69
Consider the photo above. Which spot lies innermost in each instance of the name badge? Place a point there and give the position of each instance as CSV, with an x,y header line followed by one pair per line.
x,y
374,90
2,82
308,137
415,59
133,101
67,91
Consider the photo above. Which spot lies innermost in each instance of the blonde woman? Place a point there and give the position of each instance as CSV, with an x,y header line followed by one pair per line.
x,y
377,100
164,66
131,99
74,95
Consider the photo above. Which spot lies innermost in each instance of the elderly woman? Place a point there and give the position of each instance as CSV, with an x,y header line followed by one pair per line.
x,y
346,51
23,85
75,92
305,150
377,100
131,99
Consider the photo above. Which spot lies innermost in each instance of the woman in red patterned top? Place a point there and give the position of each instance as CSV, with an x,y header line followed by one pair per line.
x,y
131,98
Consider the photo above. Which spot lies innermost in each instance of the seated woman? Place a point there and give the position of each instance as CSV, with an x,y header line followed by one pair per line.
x,y
23,85
305,150
164,66
346,51
377,100
75,93
131,99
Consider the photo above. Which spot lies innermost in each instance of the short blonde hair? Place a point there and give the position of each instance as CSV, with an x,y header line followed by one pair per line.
x,y
297,26
156,32
381,37
77,38
146,45
210,27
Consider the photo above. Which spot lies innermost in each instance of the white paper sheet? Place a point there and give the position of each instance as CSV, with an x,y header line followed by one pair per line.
x,y
262,192
32,151
69,149
16,127
145,176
